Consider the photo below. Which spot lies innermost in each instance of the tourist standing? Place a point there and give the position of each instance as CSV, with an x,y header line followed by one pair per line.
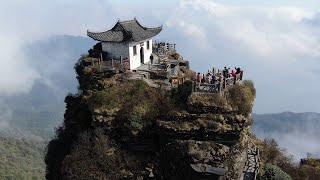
x,y
233,73
213,70
213,79
198,77
209,78
238,70
225,72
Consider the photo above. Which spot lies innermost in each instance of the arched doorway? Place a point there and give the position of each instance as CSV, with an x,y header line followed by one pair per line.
x,y
141,55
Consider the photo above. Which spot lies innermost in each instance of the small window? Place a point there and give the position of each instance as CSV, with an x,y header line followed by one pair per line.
x,y
134,50
148,44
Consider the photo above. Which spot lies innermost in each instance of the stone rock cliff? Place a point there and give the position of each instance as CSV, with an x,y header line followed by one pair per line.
x,y
122,128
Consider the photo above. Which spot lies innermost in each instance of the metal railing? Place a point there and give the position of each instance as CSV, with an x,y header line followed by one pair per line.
x,y
217,86
109,65
162,48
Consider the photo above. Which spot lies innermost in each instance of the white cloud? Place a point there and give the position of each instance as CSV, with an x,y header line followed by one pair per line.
x,y
278,46
16,74
216,9
265,31
300,140
23,22
193,31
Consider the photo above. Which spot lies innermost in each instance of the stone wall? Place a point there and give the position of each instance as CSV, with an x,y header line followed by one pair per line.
x,y
115,50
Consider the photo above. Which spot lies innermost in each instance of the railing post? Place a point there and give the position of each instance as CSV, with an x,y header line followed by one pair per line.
x,y
121,64
193,87
101,57
220,85
100,62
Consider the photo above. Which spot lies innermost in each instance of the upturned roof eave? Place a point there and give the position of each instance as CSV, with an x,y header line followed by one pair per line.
x,y
124,35
121,41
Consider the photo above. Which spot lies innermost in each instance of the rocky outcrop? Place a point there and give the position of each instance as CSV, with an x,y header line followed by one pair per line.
x,y
210,138
118,128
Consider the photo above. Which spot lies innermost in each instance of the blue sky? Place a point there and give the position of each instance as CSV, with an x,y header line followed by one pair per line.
x,y
276,42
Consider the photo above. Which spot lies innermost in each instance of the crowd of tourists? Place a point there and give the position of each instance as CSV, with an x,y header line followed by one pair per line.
x,y
215,77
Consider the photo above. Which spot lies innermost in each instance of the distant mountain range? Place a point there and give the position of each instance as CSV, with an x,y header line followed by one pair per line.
x,y
28,120
287,122
298,133
36,113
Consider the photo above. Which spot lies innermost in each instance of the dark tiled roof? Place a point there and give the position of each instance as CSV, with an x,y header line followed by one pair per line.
x,y
125,31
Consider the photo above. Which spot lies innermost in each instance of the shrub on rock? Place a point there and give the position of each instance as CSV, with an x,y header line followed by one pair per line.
x,y
273,172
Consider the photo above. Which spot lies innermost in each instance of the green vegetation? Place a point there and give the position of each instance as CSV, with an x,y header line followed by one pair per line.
x,y
22,144
134,104
273,172
39,123
181,94
117,95
311,168
21,159
94,157
241,97
98,158
141,115
273,159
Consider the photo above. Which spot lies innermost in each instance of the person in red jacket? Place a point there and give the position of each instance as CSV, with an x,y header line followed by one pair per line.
x,y
233,73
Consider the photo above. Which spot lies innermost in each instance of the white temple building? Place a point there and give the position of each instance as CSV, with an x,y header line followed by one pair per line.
x,y
127,40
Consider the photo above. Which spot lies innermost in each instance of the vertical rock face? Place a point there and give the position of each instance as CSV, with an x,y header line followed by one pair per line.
x,y
208,141
117,128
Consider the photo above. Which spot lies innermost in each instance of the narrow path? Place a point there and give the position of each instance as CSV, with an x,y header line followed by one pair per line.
x,y
251,168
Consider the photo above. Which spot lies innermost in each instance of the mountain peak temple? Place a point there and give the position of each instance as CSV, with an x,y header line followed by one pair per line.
x,y
127,40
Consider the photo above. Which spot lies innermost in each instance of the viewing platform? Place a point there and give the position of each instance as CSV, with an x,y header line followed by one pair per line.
x,y
129,48
165,65
218,86
166,68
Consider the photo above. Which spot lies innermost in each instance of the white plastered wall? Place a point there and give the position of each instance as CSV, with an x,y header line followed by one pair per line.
x,y
135,61
125,50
